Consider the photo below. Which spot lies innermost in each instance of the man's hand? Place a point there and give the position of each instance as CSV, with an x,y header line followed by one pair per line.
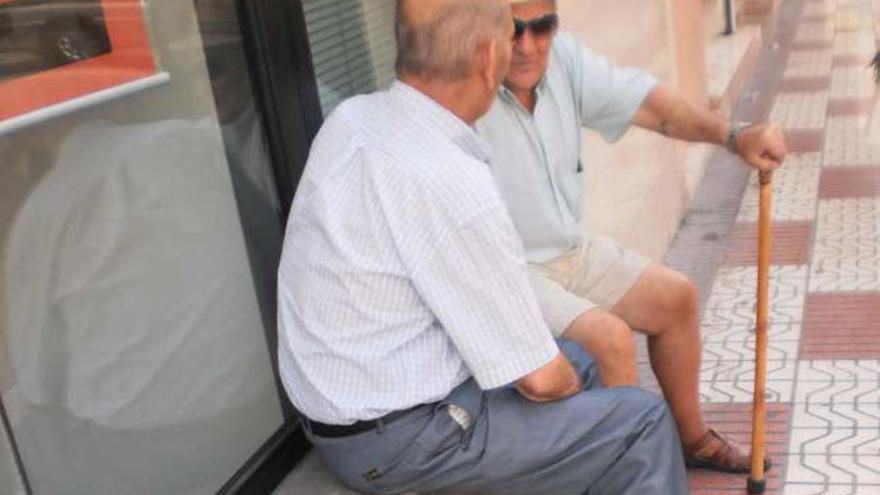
x,y
665,111
762,146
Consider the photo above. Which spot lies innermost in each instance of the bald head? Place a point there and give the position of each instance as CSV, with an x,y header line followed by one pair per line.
x,y
438,39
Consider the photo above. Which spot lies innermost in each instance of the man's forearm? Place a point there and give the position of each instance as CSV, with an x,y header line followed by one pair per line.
x,y
666,112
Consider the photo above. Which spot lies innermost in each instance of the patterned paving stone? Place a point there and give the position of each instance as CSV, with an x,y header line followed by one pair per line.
x,y
849,217
837,469
804,140
713,370
860,60
845,265
852,182
812,63
841,326
735,421
744,351
815,31
801,110
820,44
737,332
794,190
853,19
734,288
852,82
794,488
839,369
835,441
846,249
744,314
741,391
857,43
818,9
834,416
790,243
847,143
806,84
845,107
713,483
838,392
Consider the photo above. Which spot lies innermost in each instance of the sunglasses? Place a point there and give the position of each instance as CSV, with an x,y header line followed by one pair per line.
x,y
540,26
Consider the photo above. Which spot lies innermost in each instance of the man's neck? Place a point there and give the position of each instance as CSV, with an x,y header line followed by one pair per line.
x,y
526,99
453,96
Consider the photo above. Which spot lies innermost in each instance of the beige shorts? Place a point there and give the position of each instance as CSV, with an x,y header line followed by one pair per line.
x,y
598,273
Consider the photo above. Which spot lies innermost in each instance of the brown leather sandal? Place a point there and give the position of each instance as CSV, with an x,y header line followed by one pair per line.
x,y
719,453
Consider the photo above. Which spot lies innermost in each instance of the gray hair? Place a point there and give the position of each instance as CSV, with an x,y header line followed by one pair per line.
x,y
440,42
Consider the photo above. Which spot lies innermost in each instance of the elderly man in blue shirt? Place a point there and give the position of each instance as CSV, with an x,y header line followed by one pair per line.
x,y
590,289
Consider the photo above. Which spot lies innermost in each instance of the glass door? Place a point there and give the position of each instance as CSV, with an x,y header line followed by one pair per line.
x,y
140,227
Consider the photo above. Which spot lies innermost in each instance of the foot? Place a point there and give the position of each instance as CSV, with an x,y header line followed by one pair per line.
x,y
719,453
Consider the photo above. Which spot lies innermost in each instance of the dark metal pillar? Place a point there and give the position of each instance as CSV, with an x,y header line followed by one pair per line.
x,y
728,17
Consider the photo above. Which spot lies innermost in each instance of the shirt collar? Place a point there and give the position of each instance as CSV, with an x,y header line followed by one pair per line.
x,y
540,88
443,120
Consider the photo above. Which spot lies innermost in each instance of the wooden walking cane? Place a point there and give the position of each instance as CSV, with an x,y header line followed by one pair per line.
x,y
757,482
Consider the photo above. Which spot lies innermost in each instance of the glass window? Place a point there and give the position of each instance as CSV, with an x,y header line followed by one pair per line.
x,y
139,235
10,478
353,47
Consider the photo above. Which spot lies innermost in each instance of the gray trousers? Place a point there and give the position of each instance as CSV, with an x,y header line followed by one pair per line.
x,y
617,441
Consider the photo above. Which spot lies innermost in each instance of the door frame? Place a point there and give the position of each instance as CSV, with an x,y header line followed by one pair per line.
x,y
286,92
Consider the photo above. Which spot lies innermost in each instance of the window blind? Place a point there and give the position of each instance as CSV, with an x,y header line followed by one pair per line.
x,y
353,47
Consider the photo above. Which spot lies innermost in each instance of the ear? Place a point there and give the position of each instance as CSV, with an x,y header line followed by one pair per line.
x,y
489,64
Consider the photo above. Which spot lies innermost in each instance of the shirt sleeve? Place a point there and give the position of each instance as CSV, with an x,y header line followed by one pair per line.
x,y
607,96
476,283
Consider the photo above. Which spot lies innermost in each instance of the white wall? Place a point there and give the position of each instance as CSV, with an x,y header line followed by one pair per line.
x,y
640,186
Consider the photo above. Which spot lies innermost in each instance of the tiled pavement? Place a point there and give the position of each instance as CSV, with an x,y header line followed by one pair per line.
x,y
823,380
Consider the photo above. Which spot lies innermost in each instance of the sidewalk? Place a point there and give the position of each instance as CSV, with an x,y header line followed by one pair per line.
x,y
823,429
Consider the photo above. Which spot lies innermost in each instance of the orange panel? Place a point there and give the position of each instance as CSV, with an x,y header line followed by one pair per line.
x,y
130,58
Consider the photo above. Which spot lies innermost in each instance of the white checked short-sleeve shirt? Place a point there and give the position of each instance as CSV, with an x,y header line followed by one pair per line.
x,y
536,156
402,274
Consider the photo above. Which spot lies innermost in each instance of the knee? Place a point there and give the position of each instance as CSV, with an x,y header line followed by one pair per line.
x,y
638,402
617,342
679,301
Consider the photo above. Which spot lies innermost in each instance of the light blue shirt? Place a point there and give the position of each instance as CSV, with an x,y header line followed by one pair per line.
x,y
402,274
535,158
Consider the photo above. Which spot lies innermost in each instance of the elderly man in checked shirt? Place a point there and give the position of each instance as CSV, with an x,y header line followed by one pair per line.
x,y
591,290
410,338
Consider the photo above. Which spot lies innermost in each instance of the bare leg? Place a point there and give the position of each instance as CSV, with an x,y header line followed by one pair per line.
x,y
610,340
663,304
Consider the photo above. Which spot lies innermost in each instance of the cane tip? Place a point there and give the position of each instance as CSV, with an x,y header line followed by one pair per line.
x,y
756,486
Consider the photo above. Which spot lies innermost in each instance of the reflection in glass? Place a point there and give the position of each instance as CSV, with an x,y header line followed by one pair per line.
x,y
353,47
10,479
37,35
137,358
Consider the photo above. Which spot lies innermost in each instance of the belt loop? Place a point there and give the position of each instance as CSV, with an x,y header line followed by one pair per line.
x,y
306,425
380,426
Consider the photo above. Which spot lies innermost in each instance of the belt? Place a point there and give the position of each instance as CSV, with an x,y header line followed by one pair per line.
x,y
336,431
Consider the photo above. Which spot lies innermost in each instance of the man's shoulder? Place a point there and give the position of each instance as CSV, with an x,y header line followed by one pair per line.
x,y
350,116
569,52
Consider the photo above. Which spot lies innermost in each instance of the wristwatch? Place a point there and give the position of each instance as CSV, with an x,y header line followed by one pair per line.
x,y
735,129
